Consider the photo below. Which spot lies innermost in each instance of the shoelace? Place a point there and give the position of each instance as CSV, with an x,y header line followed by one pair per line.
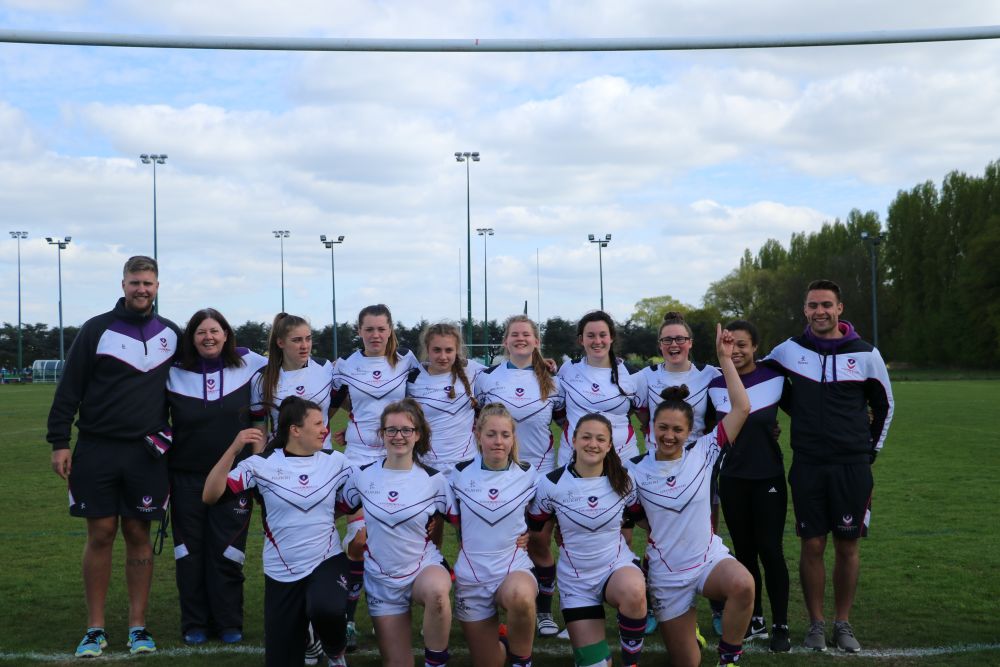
x,y
846,629
93,637
140,635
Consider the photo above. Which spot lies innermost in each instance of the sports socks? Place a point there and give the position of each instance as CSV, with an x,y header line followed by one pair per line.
x,y
729,654
355,582
546,577
631,633
435,658
519,660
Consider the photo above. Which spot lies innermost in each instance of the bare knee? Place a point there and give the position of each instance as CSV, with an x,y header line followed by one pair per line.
x,y
813,547
135,532
101,533
742,589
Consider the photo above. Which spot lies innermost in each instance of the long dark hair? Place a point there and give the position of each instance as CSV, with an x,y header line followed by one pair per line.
x,y
392,344
190,359
282,325
617,476
458,367
545,384
292,412
601,316
411,409
673,399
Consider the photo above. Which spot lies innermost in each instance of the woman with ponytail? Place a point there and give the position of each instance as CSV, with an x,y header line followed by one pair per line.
x,y
598,383
686,557
305,571
524,385
588,498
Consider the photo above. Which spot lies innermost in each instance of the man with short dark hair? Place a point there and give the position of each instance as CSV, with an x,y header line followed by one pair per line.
x,y
840,403
115,380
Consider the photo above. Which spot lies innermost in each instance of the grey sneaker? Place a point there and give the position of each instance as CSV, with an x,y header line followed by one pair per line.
x,y
546,626
843,637
816,637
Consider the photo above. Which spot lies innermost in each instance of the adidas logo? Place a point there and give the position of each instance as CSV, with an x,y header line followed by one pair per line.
x,y
772,490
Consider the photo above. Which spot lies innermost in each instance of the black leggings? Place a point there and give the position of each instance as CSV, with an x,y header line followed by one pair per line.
x,y
755,512
319,598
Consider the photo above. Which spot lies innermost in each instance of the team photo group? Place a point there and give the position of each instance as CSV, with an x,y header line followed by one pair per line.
x,y
185,426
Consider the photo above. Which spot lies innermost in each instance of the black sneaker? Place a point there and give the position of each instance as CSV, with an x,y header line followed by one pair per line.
x,y
757,629
779,639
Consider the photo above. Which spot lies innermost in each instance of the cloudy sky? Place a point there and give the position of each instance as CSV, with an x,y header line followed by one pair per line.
x,y
686,158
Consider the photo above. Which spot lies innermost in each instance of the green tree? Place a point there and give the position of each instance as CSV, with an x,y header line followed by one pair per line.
x,y
649,311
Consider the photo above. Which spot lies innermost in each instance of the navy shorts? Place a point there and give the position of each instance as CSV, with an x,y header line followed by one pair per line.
x,y
117,479
834,497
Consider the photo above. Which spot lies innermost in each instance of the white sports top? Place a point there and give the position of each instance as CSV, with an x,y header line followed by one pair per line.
x,y
491,506
372,384
299,495
313,382
451,419
589,389
651,380
517,389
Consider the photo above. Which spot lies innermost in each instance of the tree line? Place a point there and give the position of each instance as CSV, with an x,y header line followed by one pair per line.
x,y
937,282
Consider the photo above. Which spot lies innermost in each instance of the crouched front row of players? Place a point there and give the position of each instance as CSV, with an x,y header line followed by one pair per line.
x,y
493,500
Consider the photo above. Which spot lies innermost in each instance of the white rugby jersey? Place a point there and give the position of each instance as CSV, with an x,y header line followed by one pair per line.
x,y
490,506
676,499
299,495
313,382
451,419
372,384
651,380
398,506
589,514
518,390
589,389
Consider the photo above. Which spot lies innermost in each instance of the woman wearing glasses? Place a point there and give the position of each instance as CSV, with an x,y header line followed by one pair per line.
x,y
400,496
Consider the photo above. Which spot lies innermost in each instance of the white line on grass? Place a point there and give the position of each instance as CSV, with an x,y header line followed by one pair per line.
x,y
561,649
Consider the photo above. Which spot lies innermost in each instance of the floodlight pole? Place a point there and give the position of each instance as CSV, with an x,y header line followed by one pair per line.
x,y
20,343
333,286
154,159
484,232
872,241
601,243
281,235
61,245
467,157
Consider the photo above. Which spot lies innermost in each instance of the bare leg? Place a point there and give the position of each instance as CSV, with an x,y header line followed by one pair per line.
x,y
812,571
517,595
138,568
97,566
731,582
481,638
393,634
678,635
430,589
846,566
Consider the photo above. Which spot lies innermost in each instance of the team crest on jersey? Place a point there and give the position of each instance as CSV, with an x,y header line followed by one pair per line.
x,y
303,479
377,375
242,505
243,501
671,481
210,382
851,363
494,494
519,391
147,501
393,496
448,389
848,519
300,390
592,501
594,387
163,343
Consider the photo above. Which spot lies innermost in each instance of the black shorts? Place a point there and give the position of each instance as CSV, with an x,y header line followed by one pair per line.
x,y
117,479
831,498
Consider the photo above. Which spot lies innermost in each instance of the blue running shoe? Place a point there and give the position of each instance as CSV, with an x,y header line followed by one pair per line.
x,y
650,623
140,641
93,643
717,623
231,635
195,637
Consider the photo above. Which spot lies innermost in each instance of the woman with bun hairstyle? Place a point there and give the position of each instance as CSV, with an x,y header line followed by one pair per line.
x,y
524,385
686,557
209,395
598,383
588,498
402,567
305,571
492,491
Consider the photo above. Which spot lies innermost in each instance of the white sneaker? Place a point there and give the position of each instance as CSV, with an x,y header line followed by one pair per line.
x,y
546,626
563,634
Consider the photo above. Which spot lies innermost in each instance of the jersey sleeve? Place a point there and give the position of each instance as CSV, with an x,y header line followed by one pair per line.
x,y
641,389
558,397
348,497
241,477
540,508
446,504
258,411
73,385
878,393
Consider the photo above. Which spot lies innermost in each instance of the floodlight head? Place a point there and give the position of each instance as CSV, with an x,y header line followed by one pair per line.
x,y
475,156
49,239
163,158
340,239
322,237
590,237
68,239
607,237
145,158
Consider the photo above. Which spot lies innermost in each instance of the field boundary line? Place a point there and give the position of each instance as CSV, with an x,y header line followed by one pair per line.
x,y
560,649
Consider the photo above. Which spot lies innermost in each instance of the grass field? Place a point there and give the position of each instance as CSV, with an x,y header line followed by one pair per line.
x,y
929,582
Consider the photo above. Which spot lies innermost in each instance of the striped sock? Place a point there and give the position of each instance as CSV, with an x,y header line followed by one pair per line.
x,y
435,658
631,633
729,654
519,660
355,583
546,577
